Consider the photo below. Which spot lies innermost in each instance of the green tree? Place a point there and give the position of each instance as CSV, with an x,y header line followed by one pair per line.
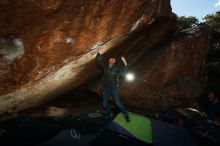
x,y
187,22
213,21
212,69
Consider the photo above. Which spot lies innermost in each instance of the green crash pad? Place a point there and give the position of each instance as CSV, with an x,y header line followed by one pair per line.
x,y
139,126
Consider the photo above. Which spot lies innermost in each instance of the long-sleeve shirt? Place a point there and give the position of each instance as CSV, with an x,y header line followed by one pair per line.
x,y
111,74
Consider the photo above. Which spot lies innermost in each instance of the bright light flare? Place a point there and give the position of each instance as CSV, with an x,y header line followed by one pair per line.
x,y
130,77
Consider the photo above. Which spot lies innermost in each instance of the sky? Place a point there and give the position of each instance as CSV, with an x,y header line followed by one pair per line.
x,y
198,8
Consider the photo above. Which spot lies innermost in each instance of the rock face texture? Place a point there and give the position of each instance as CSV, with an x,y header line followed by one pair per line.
x,y
48,48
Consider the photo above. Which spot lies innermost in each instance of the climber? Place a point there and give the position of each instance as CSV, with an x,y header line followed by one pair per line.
x,y
112,72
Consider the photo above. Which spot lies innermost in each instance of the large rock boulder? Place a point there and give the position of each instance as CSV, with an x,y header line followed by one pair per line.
x,y
54,44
